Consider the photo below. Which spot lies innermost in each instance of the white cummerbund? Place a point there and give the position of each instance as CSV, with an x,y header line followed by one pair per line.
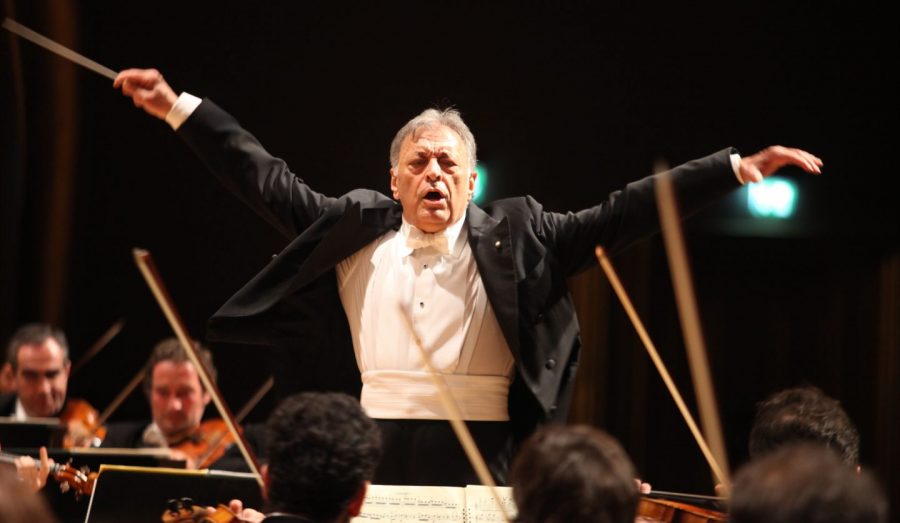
x,y
395,394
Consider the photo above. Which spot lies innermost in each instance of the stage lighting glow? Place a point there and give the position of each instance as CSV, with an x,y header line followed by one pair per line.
x,y
480,183
772,198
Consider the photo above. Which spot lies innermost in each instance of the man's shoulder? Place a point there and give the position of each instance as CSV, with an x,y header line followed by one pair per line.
x,y
7,404
124,434
515,209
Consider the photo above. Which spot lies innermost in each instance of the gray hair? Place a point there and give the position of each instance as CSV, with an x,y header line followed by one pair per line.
x,y
449,118
34,334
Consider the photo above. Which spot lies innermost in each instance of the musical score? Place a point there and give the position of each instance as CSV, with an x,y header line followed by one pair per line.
x,y
406,504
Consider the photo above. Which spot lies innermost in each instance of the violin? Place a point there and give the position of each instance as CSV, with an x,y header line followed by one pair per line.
x,y
655,510
81,481
185,511
207,444
83,425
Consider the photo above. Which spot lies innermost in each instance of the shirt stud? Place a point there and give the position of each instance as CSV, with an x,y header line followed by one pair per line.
x,y
497,244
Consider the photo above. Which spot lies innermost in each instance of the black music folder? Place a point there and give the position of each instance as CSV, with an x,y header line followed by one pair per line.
x,y
140,494
34,433
70,507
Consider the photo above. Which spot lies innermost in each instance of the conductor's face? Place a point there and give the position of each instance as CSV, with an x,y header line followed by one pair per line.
x,y
177,398
433,179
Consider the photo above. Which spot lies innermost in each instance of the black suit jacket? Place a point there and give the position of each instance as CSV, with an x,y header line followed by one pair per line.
x,y
8,404
524,255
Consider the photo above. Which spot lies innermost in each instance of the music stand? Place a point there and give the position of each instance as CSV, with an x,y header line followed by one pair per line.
x,y
140,494
33,433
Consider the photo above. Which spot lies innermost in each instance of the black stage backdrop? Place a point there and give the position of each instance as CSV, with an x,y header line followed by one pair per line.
x,y
569,101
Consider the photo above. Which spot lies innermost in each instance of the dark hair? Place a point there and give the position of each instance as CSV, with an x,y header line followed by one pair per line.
x,y
322,448
572,474
34,334
170,349
804,414
805,483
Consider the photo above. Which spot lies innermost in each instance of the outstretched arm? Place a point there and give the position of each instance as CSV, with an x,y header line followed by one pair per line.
x,y
235,156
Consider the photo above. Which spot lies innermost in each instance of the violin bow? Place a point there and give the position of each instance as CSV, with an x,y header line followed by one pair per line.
x,y
455,418
148,269
98,345
690,323
657,361
248,407
123,394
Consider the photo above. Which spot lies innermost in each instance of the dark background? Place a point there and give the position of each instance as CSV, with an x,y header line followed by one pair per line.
x,y
568,101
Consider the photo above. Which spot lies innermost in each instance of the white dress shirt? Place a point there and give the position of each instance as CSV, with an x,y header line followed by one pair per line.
x,y
390,287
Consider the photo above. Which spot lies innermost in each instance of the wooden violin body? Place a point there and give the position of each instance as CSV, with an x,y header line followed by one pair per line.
x,y
185,511
207,444
83,426
653,510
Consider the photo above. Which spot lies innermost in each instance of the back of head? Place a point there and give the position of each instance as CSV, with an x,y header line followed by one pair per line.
x,y
322,449
34,334
19,504
804,414
805,483
573,474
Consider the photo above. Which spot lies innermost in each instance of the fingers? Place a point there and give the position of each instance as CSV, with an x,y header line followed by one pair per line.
x,y
791,156
643,488
766,162
27,471
236,506
44,471
146,78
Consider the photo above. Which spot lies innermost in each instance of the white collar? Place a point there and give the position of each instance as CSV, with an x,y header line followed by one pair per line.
x,y
20,414
453,234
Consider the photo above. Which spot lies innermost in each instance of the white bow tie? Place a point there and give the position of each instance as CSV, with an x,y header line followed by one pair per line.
x,y
420,240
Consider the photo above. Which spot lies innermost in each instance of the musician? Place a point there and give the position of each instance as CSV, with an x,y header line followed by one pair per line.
x,y
573,474
38,355
484,288
323,450
804,483
804,414
177,401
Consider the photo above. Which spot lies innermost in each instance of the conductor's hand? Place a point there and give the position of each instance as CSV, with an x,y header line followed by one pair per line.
x,y
762,164
147,89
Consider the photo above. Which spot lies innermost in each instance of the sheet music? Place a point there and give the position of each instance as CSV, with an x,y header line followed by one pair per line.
x,y
482,508
400,504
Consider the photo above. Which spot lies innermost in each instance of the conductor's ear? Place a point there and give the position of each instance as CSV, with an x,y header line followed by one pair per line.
x,y
395,190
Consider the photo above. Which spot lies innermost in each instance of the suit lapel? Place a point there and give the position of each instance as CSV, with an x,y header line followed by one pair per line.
x,y
490,240
355,229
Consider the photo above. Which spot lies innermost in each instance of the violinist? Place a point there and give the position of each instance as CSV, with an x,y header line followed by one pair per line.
x,y
576,474
177,403
38,355
323,450
804,414
801,483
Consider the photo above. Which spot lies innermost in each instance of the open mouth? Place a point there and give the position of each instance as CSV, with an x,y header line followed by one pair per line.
x,y
434,196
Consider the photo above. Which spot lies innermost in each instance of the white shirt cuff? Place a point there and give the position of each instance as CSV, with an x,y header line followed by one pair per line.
x,y
735,165
183,107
